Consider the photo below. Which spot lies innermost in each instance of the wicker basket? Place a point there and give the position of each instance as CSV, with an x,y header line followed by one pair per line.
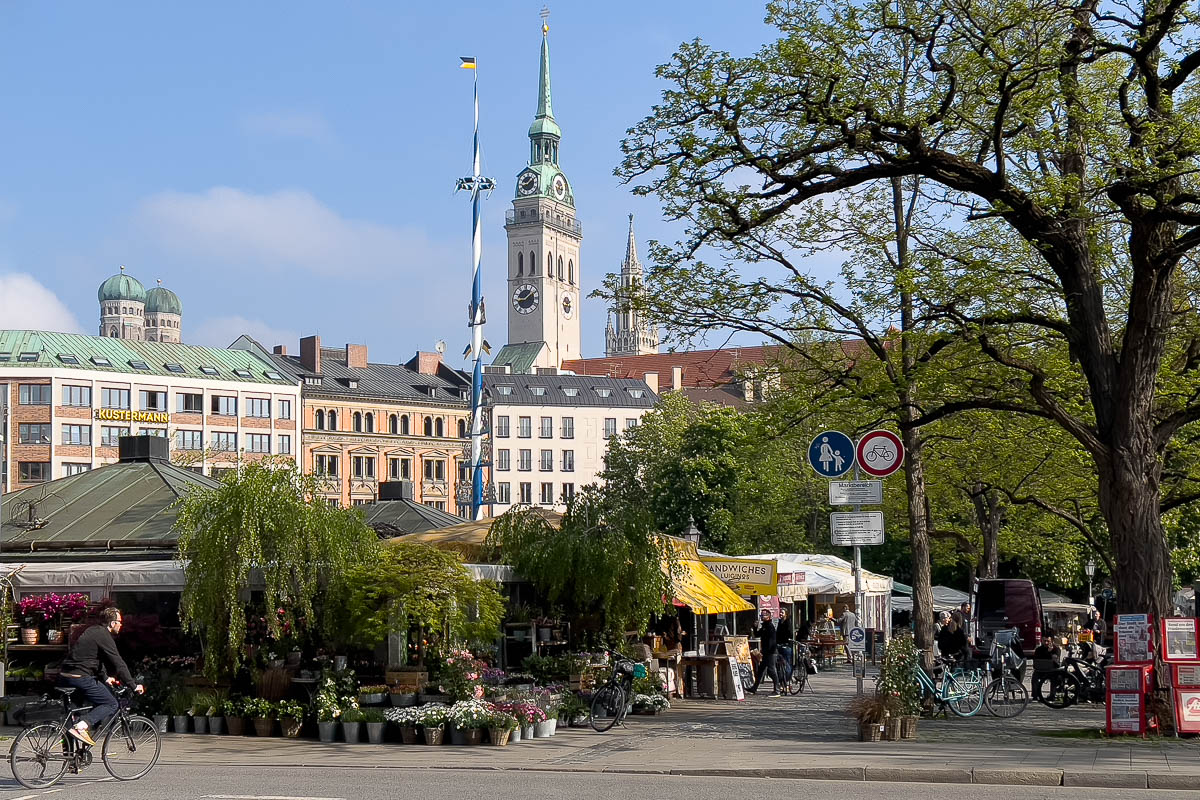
x,y
891,729
908,727
870,731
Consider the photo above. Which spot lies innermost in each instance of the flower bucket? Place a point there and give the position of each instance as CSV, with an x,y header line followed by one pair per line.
x,y
236,726
498,737
408,734
199,724
216,726
55,636
160,722
870,731
30,635
434,735
180,723
514,735
352,732
375,732
474,736
458,736
891,729
263,727
289,727
544,730
327,731
370,699
908,727
527,732
403,699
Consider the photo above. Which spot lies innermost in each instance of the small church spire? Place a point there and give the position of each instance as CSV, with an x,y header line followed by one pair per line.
x,y
544,108
631,257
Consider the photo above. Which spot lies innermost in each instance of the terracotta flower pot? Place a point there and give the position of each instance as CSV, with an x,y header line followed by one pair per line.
x,y
30,635
54,636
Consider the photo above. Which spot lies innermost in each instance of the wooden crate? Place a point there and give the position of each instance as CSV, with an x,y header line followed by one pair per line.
x,y
410,680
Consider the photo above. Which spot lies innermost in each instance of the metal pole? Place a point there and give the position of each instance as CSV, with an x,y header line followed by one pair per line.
x,y
858,590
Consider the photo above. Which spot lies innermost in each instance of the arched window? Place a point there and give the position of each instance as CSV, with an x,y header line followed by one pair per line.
x,y
404,425
571,272
560,270
462,429
520,264
358,421
428,426
370,420
113,333
439,429
320,420
532,258
393,423
549,264
332,418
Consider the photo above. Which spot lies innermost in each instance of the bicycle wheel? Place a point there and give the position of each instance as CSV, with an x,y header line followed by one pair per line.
x,y
131,748
1056,689
607,706
39,756
747,676
964,694
1006,697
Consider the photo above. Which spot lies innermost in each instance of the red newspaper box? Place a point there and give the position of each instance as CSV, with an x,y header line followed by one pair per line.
x,y
1125,712
1130,678
1187,710
1133,637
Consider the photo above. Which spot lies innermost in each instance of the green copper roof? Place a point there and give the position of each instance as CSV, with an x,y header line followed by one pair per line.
x,y
117,353
163,301
122,287
518,357
543,122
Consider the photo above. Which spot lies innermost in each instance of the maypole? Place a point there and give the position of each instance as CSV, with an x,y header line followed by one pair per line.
x,y
476,184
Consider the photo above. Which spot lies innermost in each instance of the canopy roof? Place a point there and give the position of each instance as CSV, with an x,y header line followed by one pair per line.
x,y
824,574
944,599
398,517
466,538
696,586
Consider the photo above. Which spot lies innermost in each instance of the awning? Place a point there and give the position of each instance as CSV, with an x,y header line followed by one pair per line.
x,y
468,539
900,588
164,576
696,586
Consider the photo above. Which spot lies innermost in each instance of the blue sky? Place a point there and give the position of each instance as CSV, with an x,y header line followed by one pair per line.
x,y
288,168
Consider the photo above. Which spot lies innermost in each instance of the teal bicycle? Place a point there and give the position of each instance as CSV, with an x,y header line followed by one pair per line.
x,y
960,692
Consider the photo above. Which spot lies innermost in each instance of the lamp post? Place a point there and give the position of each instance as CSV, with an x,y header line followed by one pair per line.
x,y
1090,569
691,533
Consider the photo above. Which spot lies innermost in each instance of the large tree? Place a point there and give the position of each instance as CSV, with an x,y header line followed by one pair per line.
x,y
1059,140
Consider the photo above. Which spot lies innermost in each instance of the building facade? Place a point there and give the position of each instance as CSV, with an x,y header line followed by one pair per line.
x,y
550,432
69,397
128,311
366,424
629,332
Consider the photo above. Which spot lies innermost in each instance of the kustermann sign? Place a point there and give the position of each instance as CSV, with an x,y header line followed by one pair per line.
x,y
125,415
745,576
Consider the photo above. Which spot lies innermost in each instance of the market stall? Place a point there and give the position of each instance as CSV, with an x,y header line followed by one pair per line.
x,y
944,599
829,584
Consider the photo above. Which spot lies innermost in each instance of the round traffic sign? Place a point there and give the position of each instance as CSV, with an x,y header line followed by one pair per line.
x,y
880,453
831,454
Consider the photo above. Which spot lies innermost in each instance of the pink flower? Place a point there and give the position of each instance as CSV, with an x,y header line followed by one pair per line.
x,y
478,692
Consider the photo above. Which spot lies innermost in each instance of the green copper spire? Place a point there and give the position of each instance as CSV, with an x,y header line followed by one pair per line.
x,y
543,121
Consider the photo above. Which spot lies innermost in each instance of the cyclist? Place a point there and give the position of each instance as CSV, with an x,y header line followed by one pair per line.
x,y
783,641
91,655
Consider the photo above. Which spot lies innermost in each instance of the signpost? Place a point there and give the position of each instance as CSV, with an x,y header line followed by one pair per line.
x,y
856,641
856,528
831,454
879,453
855,493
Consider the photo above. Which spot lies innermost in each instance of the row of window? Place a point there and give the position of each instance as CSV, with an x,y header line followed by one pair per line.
x,y
434,469
525,461
546,427
397,424
546,495
568,276
32,394
228,442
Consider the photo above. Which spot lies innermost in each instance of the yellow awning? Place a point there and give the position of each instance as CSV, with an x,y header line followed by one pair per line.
x,y
697,587
467,538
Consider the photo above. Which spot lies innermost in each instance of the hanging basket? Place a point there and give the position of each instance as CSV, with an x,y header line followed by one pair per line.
x,y
908,727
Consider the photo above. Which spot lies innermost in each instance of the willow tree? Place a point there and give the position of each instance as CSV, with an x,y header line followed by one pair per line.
x,y
1059,140
261,524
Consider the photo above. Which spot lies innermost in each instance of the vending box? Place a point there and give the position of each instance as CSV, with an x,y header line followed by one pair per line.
x,y
1126,712
1130,678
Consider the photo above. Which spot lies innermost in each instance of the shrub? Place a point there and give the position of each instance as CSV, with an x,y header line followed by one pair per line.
x,y
259,708
289,709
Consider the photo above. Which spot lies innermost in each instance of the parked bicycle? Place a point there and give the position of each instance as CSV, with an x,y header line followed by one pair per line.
x,y
1005,694
42,753
611,701
957,690
1079,678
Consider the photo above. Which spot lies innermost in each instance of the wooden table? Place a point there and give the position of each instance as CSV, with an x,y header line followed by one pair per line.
x,y
827,648
707,680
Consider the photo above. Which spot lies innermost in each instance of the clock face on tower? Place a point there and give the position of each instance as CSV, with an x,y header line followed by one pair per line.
x,y
559,187
568,306
527,183
525,298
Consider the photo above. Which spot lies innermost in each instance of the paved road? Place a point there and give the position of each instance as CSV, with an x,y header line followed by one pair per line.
x,y
198,783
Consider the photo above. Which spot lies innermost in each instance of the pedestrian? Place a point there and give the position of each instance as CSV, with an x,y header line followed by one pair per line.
x,y
1095,624
783,640
952,642
849,620
766,646
962,618
804,632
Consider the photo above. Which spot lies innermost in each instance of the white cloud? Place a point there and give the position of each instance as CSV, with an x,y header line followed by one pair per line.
x,y
222,331
285,230
288,125
25,303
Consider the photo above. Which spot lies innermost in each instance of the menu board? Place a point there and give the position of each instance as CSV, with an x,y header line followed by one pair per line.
x,y
1132,635
1125,712
1179,639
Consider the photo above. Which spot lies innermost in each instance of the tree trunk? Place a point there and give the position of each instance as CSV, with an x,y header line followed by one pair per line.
x,y
989,516
918,534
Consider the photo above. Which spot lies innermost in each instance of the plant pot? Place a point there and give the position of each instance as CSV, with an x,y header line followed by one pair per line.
x,y
527,732
514,735
327,731
580,721
891,729
289,727
216,726
55,636
372,699
434,735
339,663
908,726
30,635
199,724
498,737
180,723
293,658
264,726
375,732
474,736
236,726
870,731
404,699
160,722
408,734
458,736
352,732
434,698
544,730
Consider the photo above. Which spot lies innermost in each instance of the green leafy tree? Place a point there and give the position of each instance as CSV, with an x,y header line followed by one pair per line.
x,y
261,523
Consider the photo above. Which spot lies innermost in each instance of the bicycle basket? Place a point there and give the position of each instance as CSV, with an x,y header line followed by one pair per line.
x,y
639,670
37,711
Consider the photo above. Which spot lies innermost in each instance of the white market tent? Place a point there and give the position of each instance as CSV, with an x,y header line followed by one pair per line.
x,y
944,599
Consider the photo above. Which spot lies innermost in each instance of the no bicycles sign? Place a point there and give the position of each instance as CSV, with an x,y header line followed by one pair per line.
x,y
879,453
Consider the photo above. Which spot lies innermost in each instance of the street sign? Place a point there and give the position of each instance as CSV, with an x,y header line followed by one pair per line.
x,y
831,454
745,576
856,641
853,528
880,453
855,493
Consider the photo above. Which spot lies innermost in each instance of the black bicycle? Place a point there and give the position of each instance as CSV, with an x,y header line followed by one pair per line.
x,y
42,753
611,701
1075,680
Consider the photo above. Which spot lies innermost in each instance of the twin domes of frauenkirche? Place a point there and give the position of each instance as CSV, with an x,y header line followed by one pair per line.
x,y
128,311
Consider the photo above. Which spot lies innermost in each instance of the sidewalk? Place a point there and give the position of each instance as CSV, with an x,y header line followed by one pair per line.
x,y
802,737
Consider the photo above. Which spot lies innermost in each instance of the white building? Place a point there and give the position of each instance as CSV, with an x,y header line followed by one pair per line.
x,y
550,432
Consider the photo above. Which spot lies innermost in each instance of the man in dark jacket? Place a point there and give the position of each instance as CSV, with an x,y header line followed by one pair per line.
x,y
92,656
784,643
766,646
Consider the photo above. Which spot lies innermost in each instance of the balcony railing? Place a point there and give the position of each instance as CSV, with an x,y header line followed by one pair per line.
x,y
534,217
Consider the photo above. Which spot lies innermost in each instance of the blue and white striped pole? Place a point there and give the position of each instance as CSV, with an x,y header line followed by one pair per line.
x,y
476,184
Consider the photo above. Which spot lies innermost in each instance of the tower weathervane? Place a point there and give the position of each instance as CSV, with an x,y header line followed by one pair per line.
x,y
545,15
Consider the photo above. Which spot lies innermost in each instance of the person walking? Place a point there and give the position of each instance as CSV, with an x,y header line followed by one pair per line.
x,y
89,659
766,646
784,642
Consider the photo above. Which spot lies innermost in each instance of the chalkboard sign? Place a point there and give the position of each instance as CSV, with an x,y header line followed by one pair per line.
x,y
736,677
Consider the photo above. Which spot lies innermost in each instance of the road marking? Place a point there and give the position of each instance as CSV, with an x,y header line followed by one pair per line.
x,y
260,797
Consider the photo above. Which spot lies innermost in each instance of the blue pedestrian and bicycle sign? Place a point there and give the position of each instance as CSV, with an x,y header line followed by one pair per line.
x,y
831,454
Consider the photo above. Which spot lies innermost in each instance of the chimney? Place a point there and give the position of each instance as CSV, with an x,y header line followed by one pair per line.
x,y
280,350
428,363
356,356
310,353
651,379
677,378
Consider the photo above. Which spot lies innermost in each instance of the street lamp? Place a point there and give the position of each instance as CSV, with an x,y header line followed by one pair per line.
x,y
1090,569
691,533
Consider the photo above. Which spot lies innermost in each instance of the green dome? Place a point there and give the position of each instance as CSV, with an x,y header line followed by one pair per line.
x,y
122,287
162,301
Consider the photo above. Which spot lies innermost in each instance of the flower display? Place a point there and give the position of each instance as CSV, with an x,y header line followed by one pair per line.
x,y
528,713
327,704
431,715
403,716
650,702
461,675
471,714
37,608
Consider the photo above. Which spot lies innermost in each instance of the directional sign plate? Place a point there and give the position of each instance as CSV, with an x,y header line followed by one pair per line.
x,y
831,454
849,528
855,493
856,642
880,453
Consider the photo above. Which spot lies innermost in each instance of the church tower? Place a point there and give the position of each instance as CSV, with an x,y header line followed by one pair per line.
x,y
632,334
543,249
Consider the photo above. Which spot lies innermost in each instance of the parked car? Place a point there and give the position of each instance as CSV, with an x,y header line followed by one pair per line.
x,y
1009,603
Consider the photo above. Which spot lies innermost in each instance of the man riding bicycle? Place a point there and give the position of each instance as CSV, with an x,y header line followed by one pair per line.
x,y
82,668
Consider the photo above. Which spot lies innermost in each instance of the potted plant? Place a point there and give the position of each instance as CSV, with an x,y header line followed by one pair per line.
x,y
500,726
545,728
869,711
650,704
235,720
432,719
895,679
406,719
470,719
528,716
352,720
402,698
461,675
371,695
208,705
291,718
328,710
262,712
179,702
30,610
376,722
574,710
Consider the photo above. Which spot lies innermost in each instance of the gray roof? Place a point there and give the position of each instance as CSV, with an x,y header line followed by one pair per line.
x,y
568,390
518,357
397,517
126,508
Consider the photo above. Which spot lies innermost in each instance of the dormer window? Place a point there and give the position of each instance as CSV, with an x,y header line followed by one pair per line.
x,y
504,390
571,391
174,367
142,365
209,370
99,361
636,394
67,358
243,373
273,375
352,383
538,391
27,357
604,392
